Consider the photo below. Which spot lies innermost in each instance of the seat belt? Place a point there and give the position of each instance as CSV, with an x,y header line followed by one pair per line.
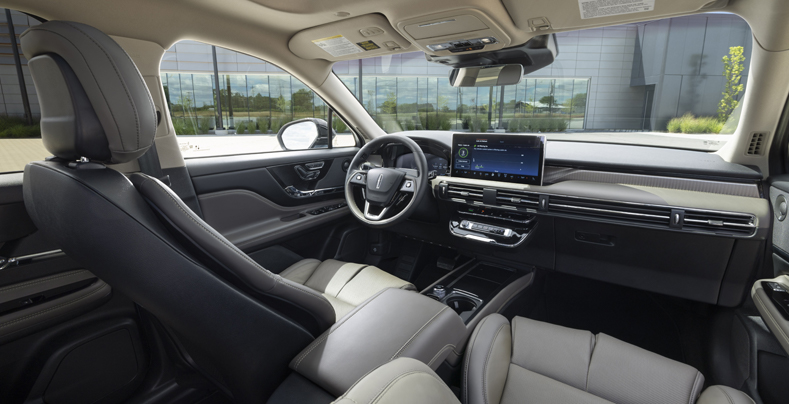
x,y
149,162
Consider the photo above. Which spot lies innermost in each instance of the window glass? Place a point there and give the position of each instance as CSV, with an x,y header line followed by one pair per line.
x,y
676,82
255,100
20,134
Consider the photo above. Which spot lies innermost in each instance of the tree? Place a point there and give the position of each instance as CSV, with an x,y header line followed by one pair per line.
x,y
390,105
732,71
578,102
548,100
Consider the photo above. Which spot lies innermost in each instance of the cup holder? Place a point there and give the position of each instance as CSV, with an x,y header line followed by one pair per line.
x,y
462,305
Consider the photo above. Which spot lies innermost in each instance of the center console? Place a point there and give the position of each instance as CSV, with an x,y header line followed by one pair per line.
x,y
484,214
480,289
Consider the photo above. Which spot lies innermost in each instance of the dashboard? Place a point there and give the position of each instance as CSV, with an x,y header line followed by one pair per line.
x,y
435,163
675,222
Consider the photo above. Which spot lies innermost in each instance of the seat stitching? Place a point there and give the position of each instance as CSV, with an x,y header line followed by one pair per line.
x,y
694,387
349,280
378,395
280,281
485,366
592,347
417,332
59,306
726,394
225,242
91,71
287,271
326,334
123,82
277,279
440,351
42,280
468,355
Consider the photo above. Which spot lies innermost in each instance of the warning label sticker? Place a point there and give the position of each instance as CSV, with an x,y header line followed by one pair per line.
x,y
368,45
607,8
337,46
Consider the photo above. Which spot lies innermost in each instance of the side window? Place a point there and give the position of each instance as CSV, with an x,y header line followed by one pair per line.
x,y
258,108
20,134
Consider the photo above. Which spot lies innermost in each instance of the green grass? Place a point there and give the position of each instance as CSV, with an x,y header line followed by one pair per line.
x,y
695,125
12,127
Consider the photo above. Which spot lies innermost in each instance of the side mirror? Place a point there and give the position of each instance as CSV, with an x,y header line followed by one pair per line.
x,y
303,134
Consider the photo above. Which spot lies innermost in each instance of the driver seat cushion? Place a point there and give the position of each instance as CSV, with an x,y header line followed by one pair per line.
x,y
344,284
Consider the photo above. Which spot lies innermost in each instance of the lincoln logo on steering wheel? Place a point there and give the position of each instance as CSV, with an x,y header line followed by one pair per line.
x,y
378,184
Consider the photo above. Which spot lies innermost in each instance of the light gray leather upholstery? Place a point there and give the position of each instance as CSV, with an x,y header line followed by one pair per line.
x,y
723,395
402,380
532,361
535,362
344,284
394,324
94,102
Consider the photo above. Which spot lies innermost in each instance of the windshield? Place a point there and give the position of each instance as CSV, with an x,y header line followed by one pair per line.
x,y
673,83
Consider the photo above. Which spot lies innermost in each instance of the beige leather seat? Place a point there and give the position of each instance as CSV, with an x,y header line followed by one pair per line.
x,y
344,284
535,362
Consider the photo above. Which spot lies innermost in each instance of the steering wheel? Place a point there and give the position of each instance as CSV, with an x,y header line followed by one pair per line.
x,y
384,188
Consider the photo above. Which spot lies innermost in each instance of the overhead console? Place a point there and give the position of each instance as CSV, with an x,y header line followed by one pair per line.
x,y
453,32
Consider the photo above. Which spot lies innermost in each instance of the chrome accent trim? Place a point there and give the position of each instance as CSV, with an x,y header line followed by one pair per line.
x,y
7,262
478,238
754,225
369,216
619,212
721,223
293,192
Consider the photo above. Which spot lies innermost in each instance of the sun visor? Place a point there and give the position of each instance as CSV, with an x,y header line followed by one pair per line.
x,y
354,38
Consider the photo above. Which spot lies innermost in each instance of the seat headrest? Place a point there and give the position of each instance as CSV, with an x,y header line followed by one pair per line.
x,y
94,102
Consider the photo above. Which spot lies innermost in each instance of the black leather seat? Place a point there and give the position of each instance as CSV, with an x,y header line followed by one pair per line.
x,y
240,324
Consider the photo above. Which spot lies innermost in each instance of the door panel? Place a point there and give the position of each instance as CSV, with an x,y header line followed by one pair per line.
x,y
65,336
264,199
270,174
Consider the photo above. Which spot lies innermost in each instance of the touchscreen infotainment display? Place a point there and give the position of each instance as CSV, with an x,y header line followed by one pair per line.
x,y
498,157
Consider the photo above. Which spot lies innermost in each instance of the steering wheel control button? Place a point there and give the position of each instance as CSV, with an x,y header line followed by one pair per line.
x,y
358,177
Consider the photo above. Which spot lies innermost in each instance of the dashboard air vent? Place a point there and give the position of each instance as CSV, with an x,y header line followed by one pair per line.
x,y
615,211
756,144
522,199
719,222
469,193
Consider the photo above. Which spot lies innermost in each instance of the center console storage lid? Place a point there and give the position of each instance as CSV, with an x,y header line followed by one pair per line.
x,y
393,324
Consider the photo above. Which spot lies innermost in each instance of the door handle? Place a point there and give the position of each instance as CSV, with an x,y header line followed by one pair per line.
x,y
308,174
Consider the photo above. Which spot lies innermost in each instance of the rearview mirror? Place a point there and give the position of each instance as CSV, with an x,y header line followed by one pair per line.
x,y
501,67
486,76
